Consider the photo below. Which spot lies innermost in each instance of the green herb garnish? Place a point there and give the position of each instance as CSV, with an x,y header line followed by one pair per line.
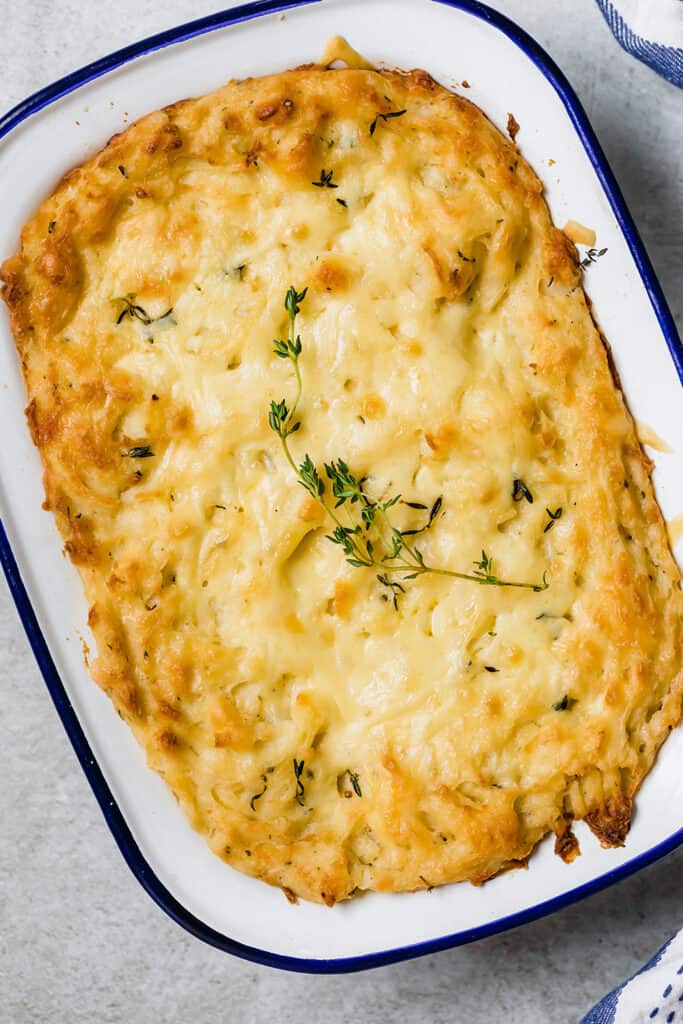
x,y
566,704
325,180
257,796
592,256
51,226
353,776
385,117
394,588
520,490
142,451
369,539
132,310
123,171
300,792
355,784
433,513
136,312
554,516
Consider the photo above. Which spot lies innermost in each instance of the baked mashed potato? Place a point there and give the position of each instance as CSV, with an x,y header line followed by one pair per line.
x,y
333,727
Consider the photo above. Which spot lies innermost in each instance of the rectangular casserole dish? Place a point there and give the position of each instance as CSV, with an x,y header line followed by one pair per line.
x,y
58,127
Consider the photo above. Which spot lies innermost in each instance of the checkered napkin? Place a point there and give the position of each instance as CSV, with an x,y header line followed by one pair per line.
x,y
651,30
652,996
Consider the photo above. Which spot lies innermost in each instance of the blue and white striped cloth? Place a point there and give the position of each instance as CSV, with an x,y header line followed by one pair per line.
x,y
651,30
652,996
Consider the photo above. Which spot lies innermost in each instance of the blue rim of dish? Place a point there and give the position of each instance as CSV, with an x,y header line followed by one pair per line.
x,y
110,809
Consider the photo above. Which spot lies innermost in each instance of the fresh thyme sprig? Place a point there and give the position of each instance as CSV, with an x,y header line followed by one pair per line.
x,y
592,256
281,418
369,539
136,312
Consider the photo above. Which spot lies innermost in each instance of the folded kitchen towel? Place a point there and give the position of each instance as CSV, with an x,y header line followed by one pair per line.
x,y
651,30
652,996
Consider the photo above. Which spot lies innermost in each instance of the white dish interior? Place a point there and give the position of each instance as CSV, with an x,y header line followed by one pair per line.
x,y
454,46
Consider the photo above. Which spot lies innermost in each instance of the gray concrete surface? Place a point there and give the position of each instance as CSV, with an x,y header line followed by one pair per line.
x,y
79,940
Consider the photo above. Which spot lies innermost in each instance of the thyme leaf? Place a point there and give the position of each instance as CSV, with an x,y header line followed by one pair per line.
x,y
300,791
385,117
394,587
140,451
134,311
554,516
257,796
353,776
592,256
325,180
520,490
433,513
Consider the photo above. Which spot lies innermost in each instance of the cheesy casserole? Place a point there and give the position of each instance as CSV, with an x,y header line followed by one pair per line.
x,y
332,727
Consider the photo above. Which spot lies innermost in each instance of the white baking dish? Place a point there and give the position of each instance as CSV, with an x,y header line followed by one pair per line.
x,y
60,126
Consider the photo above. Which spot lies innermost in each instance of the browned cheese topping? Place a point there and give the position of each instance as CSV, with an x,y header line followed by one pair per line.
x,y
325,730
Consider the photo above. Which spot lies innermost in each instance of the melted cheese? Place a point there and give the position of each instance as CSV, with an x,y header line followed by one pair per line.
x,y
316,736
337,48
579,233
675,528
648,436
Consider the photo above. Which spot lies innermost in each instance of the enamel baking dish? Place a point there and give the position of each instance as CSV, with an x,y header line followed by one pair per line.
x,y
63,124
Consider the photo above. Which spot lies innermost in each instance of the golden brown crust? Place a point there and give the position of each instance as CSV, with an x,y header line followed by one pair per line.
x,y
449,334
611,822
566,843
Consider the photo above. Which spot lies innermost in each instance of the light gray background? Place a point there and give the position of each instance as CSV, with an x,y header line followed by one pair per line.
x,y
79,939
